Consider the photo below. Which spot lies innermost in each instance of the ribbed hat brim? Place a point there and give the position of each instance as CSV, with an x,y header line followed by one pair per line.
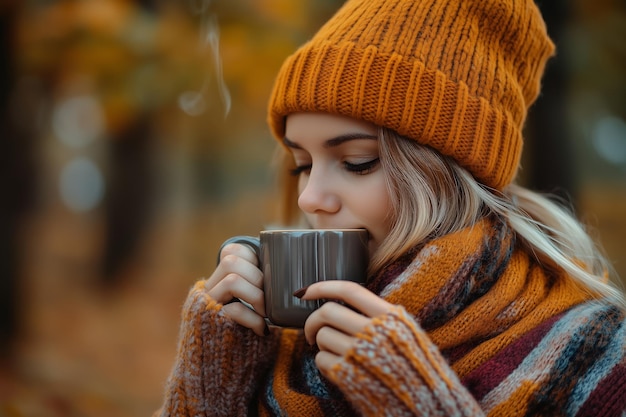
x,y
415,101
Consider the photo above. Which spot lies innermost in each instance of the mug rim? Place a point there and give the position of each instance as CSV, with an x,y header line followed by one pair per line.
x,y
312,230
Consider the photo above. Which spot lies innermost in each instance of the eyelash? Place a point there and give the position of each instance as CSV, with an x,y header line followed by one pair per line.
x,y
299,170
358,169
362,169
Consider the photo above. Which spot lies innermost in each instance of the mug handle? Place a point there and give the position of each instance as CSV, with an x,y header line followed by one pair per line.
x,y
253,242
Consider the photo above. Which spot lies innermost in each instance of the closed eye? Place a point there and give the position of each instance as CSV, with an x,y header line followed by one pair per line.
x,y
362,168
300,169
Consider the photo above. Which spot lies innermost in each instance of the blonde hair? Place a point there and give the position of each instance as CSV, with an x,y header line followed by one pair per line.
x,y
432,195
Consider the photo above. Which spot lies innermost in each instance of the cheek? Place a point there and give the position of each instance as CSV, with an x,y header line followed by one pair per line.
x,y
386,214
378,209
380,225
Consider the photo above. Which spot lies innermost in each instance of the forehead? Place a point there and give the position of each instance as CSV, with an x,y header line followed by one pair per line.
x,y
302,126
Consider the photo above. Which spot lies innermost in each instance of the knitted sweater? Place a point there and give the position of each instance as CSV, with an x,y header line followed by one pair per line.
x,y
479,329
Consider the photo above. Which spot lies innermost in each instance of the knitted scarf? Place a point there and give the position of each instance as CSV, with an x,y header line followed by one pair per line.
x,y
480,329
474,293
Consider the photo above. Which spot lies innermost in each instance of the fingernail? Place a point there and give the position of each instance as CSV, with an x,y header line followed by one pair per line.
x,y
300,293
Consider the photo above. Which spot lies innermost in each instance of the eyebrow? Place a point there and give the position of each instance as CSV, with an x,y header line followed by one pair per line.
x,y
336,141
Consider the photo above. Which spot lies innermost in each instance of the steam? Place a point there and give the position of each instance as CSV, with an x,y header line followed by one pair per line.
x,y
194,102
212,39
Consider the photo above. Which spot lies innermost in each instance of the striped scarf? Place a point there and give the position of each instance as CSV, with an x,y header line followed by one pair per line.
x,y
522,341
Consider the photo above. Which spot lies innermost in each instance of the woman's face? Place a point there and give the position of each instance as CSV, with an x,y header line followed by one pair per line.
x,y
341,183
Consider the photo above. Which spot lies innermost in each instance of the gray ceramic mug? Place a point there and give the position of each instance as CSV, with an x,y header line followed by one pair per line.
x,y
293,259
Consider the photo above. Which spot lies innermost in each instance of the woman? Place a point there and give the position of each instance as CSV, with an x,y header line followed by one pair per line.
x,y
484,298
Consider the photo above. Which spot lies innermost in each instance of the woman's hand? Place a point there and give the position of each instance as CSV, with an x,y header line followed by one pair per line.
x,y
237,278
333,326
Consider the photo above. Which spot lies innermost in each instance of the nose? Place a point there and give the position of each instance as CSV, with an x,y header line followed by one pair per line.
x,y
317,194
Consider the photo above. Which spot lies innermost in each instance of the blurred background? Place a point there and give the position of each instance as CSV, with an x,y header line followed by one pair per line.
x,y
135,142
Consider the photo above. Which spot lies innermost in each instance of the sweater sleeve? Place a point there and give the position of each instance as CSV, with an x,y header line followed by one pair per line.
x,y
395,370
218,364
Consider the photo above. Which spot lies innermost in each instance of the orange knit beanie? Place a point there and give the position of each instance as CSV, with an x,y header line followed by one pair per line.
x,y
456,75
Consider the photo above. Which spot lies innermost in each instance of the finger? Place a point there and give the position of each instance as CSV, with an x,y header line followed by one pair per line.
x,y
234,286
333,341
234,264
350,293
246,317
336,316
326,360
241,250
